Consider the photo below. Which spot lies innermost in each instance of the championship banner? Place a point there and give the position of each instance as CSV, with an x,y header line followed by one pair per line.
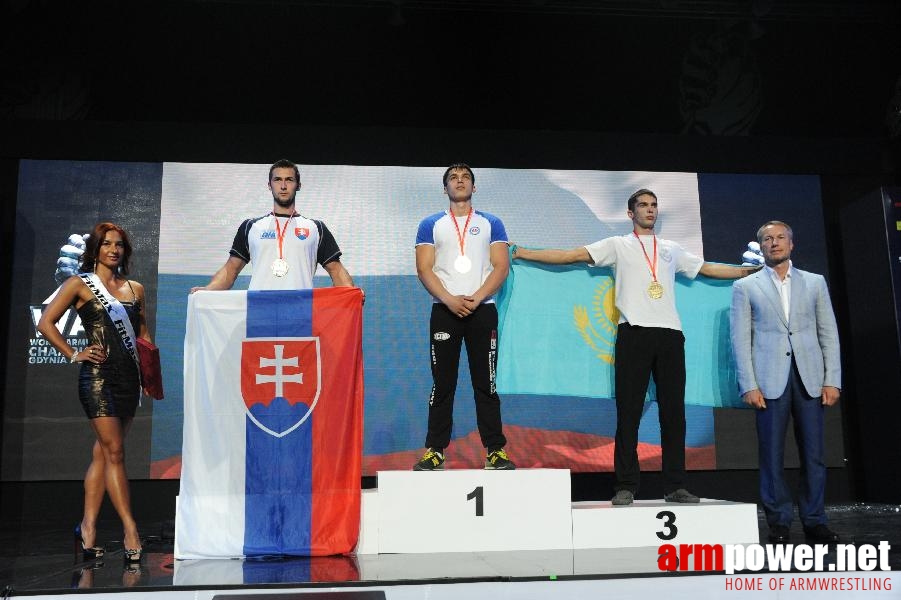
x,y
272,454
572,311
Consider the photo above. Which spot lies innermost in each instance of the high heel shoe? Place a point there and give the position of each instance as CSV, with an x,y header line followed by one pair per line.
x,y
133,555
86,553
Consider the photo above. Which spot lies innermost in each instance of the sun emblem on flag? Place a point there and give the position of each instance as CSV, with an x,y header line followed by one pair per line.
x,y
600,335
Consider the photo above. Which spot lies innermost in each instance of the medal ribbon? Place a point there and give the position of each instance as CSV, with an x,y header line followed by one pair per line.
x,y
461,237
652,267
281,233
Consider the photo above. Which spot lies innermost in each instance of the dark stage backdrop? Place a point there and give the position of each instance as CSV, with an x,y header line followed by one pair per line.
x,y
182,217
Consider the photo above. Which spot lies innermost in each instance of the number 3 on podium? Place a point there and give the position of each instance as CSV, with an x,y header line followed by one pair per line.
x,y
669,530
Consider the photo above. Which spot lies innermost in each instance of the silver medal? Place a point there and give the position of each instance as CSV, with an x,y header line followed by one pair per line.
x,y
279,267
462,264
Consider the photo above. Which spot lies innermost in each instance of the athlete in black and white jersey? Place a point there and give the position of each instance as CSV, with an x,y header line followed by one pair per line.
x,y
284,246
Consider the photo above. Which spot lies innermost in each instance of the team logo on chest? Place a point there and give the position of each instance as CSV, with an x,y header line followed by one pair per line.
x,y
302,233
474,230
280,382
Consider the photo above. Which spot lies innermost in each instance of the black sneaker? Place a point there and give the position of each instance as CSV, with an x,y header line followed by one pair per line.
x,y
682,496
779,534
622,498
432,460
820,534
498,460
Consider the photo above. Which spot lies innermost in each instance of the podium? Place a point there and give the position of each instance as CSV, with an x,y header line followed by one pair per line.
x,y
273,401
655,522
530,509
471,510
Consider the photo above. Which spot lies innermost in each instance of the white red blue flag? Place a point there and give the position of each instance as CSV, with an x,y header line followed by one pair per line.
x,y
273,422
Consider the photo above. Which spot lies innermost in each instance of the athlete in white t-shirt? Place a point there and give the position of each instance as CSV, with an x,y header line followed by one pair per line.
x,y
283,246
462,260
649,337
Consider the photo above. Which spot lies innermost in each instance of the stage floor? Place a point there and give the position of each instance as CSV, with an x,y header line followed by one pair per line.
x,y
36,559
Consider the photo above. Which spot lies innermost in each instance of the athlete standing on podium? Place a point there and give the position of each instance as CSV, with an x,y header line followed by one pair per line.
x,y
649,337
283,246
462,260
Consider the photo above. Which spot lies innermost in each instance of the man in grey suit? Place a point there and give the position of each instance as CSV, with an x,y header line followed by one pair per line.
x,y
786,348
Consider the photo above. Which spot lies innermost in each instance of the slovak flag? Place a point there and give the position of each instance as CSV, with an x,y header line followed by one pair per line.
x,y
273,424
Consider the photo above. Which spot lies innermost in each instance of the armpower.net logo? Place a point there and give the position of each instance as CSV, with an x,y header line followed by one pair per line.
x,y
747,560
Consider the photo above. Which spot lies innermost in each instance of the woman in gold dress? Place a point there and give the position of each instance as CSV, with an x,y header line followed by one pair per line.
x,y
109,379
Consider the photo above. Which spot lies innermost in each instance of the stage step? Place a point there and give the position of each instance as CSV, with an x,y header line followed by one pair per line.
x,y
468,510
655,522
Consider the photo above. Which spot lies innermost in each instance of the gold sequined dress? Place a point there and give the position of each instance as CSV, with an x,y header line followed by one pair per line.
x,y
112,388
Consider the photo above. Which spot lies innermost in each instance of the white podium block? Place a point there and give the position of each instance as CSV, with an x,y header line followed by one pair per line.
x,y
474,510
655,522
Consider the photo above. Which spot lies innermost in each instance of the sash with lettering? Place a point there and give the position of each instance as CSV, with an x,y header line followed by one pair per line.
x,y
116,312
273,444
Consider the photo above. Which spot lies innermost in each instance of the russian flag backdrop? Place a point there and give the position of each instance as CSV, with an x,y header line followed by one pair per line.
x,y
272,453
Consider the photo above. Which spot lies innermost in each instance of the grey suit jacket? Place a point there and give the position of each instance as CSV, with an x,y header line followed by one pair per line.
x,y
763,342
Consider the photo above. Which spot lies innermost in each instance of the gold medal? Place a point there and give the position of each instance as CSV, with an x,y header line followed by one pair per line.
x,y
655,290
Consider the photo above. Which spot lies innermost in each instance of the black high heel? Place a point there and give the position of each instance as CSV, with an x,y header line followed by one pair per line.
x,y
86,553
133,556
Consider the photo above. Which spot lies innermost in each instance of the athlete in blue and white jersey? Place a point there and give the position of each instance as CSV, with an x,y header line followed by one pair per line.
x,y
482,230
462,260
283,246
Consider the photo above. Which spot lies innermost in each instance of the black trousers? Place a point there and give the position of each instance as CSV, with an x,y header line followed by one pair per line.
x,y
640,353
447,333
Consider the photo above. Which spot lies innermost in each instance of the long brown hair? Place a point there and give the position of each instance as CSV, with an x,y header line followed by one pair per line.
x,y
92,246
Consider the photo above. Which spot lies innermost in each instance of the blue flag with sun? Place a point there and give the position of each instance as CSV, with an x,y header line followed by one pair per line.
x,y
558,331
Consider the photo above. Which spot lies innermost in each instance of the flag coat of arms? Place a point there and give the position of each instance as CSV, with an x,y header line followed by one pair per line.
x,y
273,424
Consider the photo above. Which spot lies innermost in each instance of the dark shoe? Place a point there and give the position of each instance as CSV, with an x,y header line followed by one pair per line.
x,y
86,553
499,461
820,534
133,555
622,498
779,534
682,496
432,460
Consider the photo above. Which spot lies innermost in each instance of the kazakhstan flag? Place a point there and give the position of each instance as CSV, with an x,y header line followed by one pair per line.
x,y
558,331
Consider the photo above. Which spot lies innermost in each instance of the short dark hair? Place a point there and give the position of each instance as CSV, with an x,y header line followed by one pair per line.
x,y
284,164
92,247
633,199
791,234
457,166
